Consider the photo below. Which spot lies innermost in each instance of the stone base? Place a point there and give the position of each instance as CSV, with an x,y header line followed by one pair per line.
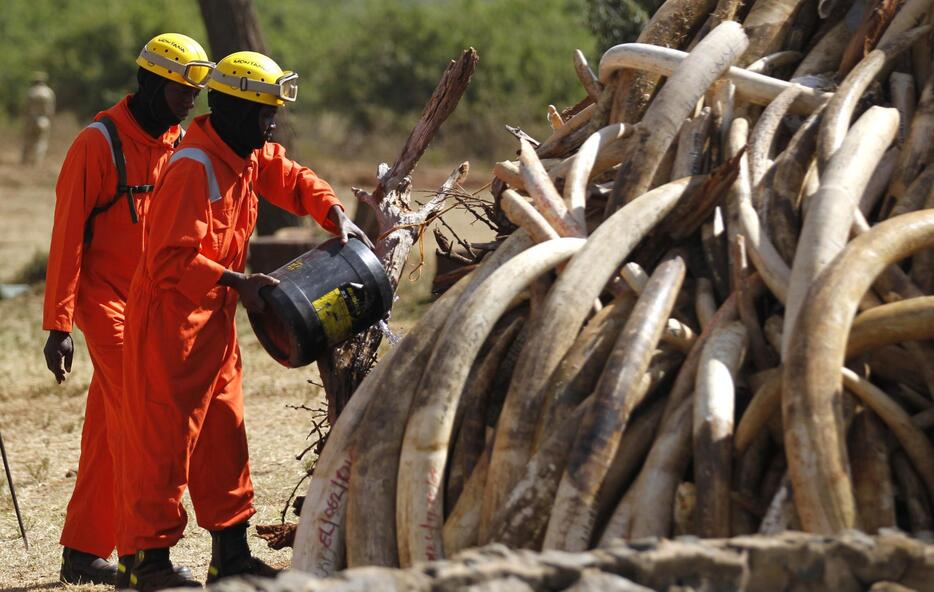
x,y
791,561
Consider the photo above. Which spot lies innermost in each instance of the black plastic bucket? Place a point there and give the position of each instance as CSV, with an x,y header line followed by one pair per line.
x,y
323,298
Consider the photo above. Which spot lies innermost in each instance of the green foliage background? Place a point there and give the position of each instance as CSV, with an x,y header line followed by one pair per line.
x,y
366,66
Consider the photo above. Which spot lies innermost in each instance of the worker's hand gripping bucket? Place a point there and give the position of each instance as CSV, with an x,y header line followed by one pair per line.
x,y
323,298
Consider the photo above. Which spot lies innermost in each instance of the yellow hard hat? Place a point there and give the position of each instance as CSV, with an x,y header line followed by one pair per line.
x,y
254,77
176,57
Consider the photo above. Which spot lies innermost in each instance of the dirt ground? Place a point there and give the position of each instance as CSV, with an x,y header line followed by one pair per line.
x,y
41,422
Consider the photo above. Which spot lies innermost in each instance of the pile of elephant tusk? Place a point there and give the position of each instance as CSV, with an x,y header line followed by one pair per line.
x,y
711,316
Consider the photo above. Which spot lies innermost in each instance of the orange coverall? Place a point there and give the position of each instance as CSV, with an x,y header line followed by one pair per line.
x,y
182,370
87,285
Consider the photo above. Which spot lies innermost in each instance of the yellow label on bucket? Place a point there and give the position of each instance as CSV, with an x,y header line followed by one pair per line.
x,y
334,316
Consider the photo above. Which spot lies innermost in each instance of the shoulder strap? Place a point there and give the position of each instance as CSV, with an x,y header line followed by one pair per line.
x,y
116,147
106,126
199,155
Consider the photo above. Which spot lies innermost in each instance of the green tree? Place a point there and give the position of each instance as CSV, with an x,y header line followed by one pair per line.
x,y
619,21
88,48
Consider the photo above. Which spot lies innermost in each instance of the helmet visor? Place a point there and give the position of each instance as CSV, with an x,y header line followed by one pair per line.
x,y
288,87
195,72
285,87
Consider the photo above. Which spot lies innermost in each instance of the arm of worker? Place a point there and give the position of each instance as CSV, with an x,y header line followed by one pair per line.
x,y
180,219
300,190
181,205
248,286
79,185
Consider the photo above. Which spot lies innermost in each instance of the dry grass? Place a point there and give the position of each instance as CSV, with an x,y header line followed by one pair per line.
x,y
41,422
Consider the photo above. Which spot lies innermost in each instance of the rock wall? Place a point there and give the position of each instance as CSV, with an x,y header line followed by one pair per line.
x,y
791,561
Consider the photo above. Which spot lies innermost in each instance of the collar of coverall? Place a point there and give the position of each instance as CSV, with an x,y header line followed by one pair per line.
x,y
133,131
202,135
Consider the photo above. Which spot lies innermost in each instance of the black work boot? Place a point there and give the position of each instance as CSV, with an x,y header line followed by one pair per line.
x,y
79,567
152,571
124,566
230,555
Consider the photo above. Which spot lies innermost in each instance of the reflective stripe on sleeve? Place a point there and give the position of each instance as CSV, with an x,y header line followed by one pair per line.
x,y
198,155
103,129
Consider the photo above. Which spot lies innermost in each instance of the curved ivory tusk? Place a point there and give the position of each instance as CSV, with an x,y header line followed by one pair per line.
x,y
671,26
615,398
690,156
586,76
781,510
917,506
632,452
922,264
904,97
881,177
547,199
830,216
320,537
420,500
768,22
914,442
779,59
766,401
674,102
918,193
714,403
912,13
705,305
521,213
646,508
470,420
765,258
753,87
576,376
507,171
905,320
522,519
677,334
825,56
461,527
872,473
763,134
609,153
918,150
564,312
581,165
811,383
842,104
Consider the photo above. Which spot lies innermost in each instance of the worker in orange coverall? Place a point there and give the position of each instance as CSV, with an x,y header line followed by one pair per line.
x,y
102,198
182,367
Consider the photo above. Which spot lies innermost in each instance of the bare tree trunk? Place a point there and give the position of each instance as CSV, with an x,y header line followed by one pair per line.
x,y
232,26
346,366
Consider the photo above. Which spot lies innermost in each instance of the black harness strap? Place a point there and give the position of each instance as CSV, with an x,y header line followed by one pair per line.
x,y
122,187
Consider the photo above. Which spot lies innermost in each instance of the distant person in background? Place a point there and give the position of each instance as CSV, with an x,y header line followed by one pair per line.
x,y
102,198
37,119
183,375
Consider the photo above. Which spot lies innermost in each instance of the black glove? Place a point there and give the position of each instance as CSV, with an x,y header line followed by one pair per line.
x,y
59,351
248,287
346,228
